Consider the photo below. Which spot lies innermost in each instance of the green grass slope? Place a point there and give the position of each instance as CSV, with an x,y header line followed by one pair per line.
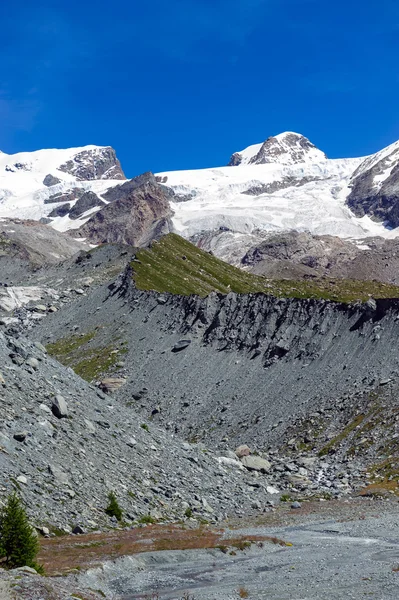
x,y
175,265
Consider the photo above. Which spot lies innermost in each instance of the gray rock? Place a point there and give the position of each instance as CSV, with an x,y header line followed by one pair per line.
x,y
32,362
59,407
256,463
78,530
20,436
296,505
181,345
50,180
242,451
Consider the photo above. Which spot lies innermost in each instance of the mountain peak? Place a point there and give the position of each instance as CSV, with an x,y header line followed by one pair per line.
x,y
286,148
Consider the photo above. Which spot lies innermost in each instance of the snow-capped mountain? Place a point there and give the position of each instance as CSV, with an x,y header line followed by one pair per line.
x,y
285,149
284,183
49,184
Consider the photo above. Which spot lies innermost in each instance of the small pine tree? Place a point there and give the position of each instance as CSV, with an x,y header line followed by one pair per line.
x,y
18,541
113,509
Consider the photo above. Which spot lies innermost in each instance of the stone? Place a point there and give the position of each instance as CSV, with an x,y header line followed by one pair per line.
x,y
40,308
242,451
78,530
2,380
59,407
181,345
50,180
20,436
58,474
32,362
110,384
256,463
296,505
17,359
207,506
44,530
24,569
90,426
270,489
131,442
22,479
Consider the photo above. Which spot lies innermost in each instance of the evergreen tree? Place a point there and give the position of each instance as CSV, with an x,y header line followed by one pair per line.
x,y
18,541
113,509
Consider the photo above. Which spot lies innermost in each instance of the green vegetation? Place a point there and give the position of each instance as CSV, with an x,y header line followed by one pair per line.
x,y
88,361
342,436
285,498
188,513
145,427
113,509
175,265
147,520
18,541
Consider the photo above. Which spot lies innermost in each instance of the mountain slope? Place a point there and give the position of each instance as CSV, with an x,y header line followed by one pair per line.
x,y
33,184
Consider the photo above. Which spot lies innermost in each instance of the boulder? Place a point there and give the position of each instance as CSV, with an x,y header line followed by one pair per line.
x,y
242,451
20,436
181,345
32,362
256,463
59,407
111,384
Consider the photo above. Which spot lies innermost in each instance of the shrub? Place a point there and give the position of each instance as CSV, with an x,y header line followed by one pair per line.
x,y
188,512
113,509
147,520
18,540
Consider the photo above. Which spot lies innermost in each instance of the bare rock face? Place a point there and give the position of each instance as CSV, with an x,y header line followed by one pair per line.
x,y
98,163
375,189
50,180
297,255
286,148
36,243
87,201
138,212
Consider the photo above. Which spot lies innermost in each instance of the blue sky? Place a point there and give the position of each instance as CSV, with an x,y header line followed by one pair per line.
x,y
183,84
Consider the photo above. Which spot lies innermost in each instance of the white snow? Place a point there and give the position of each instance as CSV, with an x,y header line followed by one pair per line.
x,y
317,206
22,192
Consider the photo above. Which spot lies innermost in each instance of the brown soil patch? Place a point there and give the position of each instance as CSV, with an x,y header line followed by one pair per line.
x,y
62,554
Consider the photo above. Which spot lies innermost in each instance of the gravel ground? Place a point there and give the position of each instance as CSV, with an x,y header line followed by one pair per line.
x,y
329,558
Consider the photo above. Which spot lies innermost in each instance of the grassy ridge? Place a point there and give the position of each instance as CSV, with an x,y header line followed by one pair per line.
x,y
175,265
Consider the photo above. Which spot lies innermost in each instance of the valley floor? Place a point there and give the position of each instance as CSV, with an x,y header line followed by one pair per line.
x,y
324,550
339,550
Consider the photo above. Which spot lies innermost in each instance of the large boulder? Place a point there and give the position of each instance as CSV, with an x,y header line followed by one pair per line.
x,y
59,407
256,463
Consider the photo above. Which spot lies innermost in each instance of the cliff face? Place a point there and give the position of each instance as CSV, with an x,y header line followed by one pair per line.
x,y
252,363
138,211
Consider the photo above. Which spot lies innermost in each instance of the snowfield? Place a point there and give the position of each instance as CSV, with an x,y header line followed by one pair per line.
x,y
317,206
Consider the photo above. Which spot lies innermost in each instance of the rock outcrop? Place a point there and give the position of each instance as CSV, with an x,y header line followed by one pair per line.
x,y
99,163
138,212
375,187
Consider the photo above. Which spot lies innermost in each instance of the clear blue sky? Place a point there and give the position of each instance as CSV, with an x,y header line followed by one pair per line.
x,y
177,84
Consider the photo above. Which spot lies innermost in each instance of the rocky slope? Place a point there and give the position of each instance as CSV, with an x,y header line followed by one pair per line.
x,y
137,212
375,187
233,369
294,255
47,184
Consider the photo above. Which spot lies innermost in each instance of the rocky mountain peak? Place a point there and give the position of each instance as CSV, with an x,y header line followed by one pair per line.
x,y
94,163
286,148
